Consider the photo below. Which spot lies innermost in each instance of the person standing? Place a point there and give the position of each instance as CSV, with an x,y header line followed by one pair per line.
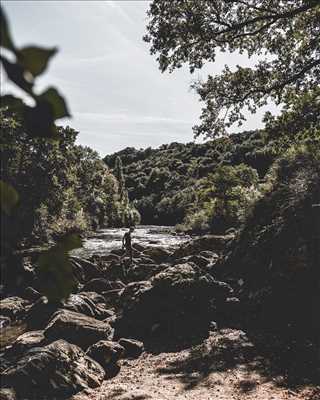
x,y
127,243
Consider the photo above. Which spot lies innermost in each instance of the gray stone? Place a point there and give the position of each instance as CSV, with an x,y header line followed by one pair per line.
x,y
58,369
77,328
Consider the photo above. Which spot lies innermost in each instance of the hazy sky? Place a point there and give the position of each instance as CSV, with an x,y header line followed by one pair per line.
x,y
115,91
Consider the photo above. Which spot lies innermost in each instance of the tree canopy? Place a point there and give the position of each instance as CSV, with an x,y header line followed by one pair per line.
x,y
282,35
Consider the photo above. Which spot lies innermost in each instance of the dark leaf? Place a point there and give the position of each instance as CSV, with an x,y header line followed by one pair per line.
x,y
55,274
55,270
9,197
6,40
57,102
35,59
39,121
70,242
17,74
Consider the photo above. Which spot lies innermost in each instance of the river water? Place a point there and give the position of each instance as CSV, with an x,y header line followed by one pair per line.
x,y
105,240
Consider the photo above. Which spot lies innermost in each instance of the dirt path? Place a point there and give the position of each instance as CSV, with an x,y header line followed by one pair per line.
x,y
224,367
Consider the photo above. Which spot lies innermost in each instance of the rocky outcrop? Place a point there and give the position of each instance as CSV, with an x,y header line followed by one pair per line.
x,y
215,243
82,303
77,328
57,370
178,302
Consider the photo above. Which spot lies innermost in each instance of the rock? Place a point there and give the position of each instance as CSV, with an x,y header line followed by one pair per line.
x,y
111,257
158,254
106,353
100,285
145,260
214,243
83,304
116,270
89,269
178,302
4,321
138,247
77,328
200,261
59,369
31,294
133,292
209,255
133,348
40,313
13,307
7,394
142,272
25,342
117,252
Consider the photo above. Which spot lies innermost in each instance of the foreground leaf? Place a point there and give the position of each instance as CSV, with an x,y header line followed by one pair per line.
x,y
6,40
57,102
35,59
9,197
39,121
17,74
55,270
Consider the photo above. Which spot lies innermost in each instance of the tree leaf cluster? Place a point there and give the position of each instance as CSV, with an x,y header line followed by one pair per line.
x,y
281,37
29,63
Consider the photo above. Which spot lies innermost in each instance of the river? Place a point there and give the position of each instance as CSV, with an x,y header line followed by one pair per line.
x,y
105,240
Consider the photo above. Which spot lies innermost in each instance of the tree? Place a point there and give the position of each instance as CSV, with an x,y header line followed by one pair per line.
x,y
284,36
118,172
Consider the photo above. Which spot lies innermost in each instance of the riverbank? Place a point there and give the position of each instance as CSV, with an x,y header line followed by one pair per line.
x,y
164,327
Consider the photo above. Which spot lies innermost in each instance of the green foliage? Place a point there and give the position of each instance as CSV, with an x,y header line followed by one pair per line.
x,y
224,199
164,183
62,187
283,36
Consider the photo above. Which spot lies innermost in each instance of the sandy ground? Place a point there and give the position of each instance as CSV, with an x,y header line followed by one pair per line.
x,y
214,370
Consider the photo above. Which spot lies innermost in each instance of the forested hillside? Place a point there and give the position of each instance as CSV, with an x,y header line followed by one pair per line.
x,y
60,187
176,183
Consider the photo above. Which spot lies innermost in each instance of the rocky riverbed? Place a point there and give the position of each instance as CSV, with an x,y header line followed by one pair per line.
x,y
164,327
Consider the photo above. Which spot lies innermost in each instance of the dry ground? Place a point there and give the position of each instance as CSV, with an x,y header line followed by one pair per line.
x,y
223,367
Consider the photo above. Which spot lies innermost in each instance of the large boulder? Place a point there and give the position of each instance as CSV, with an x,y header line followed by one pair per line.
x,y
179,302
77,328
85,270
158,254
215,243
106,353
82,303
25,342
143,272
100,285
132,348
57,370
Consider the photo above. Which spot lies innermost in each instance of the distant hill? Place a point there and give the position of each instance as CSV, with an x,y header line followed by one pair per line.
x,y
161,182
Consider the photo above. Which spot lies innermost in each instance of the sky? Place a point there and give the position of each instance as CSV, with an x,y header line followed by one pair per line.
x,y
116,94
